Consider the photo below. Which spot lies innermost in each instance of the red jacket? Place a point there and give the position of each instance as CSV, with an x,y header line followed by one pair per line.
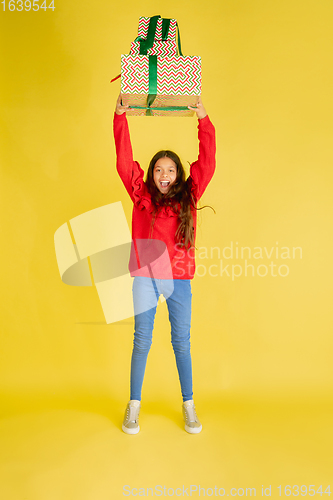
x,y
166,222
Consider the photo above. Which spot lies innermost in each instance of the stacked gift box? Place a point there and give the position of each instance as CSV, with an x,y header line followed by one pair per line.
x,y
156,79
164,43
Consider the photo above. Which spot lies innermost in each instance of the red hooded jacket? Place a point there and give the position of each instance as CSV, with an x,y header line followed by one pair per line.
x,y
180,263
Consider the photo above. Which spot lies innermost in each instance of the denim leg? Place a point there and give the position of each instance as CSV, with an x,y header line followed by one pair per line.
x,y
145,297
179,306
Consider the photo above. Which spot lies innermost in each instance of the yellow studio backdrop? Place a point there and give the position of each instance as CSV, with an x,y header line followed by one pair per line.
x,y
261,320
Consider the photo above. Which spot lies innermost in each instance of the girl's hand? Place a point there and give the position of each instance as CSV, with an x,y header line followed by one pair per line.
x,y
120,109
199,109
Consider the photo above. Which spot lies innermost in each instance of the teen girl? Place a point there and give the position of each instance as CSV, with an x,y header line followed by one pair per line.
x,y
164,216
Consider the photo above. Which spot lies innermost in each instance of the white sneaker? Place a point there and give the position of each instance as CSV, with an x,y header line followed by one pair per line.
x,y
192,424
131,419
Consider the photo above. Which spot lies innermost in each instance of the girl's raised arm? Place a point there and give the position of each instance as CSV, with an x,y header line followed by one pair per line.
x,y
129,170
203,169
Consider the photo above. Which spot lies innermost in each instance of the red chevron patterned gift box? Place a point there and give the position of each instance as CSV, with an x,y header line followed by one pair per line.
x,y
159,85
164,30
178,84
164,37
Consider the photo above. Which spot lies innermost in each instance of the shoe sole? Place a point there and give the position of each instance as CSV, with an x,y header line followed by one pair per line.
x,y
193,430
130,431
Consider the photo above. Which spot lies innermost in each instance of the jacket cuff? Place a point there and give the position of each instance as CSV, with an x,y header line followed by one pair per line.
x,y
119,117
202,122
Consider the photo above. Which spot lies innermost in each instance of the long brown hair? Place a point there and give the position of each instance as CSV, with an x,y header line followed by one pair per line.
x,y
178,197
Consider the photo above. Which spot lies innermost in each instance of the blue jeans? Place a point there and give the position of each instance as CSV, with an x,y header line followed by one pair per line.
x,y
146,292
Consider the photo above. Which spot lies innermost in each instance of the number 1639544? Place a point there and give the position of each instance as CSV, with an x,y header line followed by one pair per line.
x,y
33,5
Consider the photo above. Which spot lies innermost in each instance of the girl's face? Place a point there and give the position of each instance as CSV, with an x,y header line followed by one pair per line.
x,y
165,174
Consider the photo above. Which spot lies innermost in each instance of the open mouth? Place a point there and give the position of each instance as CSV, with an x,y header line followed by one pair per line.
x,y
164,184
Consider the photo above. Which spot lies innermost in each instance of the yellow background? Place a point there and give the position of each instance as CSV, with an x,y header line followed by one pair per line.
x,y
261,346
